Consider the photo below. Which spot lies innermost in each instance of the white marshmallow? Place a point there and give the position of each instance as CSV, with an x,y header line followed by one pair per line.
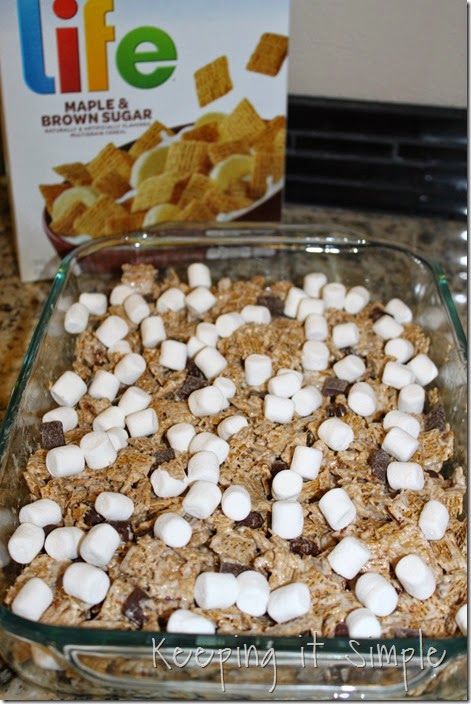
x,y
461,619
199,275
173,355
376,593
216,590
254,592
416,577
76,319
236,503
112,330
423,369
228,323
180,435
292,301
26,542
400,444
104,385
387,328
306,461
345,335
207,334
226,386
362,623
202,499
289,602
193,346
99,545
231,426
315,327
33,599
397,375
399,348
63,543
43,512
114,506
44,659
405,475
399,311
131,367
306,401
334,295
315,356
356,299
411,399
258,369
200,300
350,368
65,461
98,450
433,520
68,389
206,402
111,417
119,294
336,434
278,410
173,530
287,519
348,557
172,300
165,486
86,582
152,331
310,306
285,385
398,419
142,423
134,399
65,415
211,362
256,314
203,466
120,348
211,443
96,303
286,485
118,438
184,621
285,370
313,284
337,508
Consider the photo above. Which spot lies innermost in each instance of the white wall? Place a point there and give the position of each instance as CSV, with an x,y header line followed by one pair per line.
x,y
407,51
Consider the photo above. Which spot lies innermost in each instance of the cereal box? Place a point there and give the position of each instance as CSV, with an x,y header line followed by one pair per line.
x,y
125,114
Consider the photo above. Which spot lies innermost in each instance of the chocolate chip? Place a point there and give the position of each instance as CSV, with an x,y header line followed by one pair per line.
x,y
278,466
274,304
165,454
336,409
191,383
310,439
376,313
432,473
193,370
341,630
132,608
92,518
347,350
52,435
232,568
253,520
124,529
303,546
435,418
378,461
149,297
334,386
93,611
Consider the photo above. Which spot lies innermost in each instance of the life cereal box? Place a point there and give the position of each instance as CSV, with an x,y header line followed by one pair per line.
x,y
124,114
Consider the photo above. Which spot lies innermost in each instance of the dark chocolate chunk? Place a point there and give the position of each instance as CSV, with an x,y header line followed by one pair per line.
x,y
193,370
148,297
274,304
124,529
347,350
376,313
52,435
303,546
191,383
336,409
310,439
165,454
378,461
92,518
278,466
232,568
132,608
341,630
432,473
253,520
435,418
334,386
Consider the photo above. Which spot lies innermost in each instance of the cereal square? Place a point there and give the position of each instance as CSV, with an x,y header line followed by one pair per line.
x,y
213,81
269,54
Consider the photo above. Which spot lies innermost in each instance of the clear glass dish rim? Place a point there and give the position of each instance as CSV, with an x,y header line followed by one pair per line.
x,y
183,236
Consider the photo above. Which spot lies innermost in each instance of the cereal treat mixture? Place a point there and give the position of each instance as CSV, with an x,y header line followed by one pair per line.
x,y
243,456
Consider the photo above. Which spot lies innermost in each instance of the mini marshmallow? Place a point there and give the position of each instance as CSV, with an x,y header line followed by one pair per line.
x,y
334,295
278,410
99,545
206,402
65,415
211,362
254,592
400,444
152,331
165,486
26,542
287,519
399,311
285,385
292,301
306,401
315,327
142,423
173,530
348,557
202,499
112,330
313,284
172,300
63,543
86,582
310,306
376,593
256,314
405,475
76,319
337,508
387,328
68,389
114,506
173,355
134,399
397,375
200,300
411,399
286,485
96,303
416,577
398,419
193,346
285,370
203,466
350,368
111,417
119,294
120,348
211,443
231,426
199,275
315,356
180,435
136,308
423,369
228,323
226,386
104,385
336,434
399,348
131,367
118,438
215,590
65,461
433,520
207,334
258,369
356,299
362,623
184,621
289,602
236,503
306,461
43,512
33,599
345,335
461,619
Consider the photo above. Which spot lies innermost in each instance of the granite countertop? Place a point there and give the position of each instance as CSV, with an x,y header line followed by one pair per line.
x,y
20,305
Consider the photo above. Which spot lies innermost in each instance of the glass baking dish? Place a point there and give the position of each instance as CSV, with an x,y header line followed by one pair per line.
x,y
144,664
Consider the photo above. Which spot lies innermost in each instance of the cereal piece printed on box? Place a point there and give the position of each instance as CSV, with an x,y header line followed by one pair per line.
x,y
110,158
165,188
50,191
196,211
196,188
219,151
269,54
149,139
64,223
213,81
111,183
117,224
262,169
207,132
244,121
93,221
187,157
76,173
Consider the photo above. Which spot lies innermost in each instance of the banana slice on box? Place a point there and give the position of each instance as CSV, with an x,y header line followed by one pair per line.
x,y
210,117
232,168
149,163
165,212
76,194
